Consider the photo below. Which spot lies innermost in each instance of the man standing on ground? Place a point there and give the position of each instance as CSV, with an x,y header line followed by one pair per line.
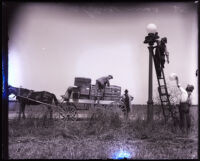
x,y
126,99
184,107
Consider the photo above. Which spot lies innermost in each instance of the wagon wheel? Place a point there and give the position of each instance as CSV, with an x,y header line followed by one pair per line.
x,y
70,111
119,105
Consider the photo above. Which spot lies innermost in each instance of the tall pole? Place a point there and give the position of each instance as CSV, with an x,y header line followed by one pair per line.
x,y
150,39
150,92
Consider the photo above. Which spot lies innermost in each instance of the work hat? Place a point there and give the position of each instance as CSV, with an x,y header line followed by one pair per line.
x,y
111,77
164,39
189,88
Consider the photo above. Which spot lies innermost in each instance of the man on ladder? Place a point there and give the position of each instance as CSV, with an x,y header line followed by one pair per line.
x,y
160,53
159,61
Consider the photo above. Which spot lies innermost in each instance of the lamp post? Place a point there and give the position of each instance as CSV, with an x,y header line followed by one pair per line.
x,y
150,39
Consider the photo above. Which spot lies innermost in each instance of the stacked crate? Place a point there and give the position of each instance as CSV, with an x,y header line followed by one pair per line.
x,y
84,90
82,82
83,85
84,93
93,92
112,93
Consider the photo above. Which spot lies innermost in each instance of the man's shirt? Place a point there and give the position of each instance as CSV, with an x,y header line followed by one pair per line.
x,y
184,95
104,81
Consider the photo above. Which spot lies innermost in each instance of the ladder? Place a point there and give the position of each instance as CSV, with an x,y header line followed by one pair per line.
x,y
163,93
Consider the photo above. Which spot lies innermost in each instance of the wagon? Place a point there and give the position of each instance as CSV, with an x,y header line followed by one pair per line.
x,y
84,96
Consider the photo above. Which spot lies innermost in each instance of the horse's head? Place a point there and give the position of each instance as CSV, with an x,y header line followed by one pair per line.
x,y
12,90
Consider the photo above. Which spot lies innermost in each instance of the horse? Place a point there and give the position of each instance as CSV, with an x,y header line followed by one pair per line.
x,y
26,97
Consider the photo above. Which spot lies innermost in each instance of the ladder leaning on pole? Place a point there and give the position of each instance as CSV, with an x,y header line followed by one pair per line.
x,y
163,93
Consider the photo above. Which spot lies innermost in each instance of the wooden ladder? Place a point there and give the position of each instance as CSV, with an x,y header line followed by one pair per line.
x,y
163,93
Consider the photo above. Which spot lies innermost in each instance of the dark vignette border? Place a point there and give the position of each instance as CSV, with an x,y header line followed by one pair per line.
x,y
9,8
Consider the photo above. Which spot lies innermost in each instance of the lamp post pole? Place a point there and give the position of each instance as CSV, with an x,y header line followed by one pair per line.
x,y
150,40
150,91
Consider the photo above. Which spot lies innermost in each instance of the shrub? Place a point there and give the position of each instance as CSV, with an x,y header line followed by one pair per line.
x,y
103,119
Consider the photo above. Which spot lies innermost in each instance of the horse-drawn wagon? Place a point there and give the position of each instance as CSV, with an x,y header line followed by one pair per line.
x,y
84,96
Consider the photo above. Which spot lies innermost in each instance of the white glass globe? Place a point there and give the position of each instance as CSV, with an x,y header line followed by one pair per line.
x,y
172,76
151,28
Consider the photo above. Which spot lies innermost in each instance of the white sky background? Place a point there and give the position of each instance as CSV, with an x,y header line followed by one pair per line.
x,y
50,44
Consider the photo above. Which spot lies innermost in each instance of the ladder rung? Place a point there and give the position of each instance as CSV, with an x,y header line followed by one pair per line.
x,y
166,105
164,94
165,97
162,90
161,81
164,101
162,86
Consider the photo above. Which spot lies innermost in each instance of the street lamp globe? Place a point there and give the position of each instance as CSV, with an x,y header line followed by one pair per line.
x,y
151,28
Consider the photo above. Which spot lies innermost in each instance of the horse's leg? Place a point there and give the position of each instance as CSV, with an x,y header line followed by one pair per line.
x,y
23,110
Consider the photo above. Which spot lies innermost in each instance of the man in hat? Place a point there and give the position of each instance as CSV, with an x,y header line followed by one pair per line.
x,y
160,54
126,99
163,51
102,82
184,107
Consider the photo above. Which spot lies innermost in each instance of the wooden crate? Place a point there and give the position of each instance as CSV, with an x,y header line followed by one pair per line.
x,y
93,91
82,82
84,91
113,90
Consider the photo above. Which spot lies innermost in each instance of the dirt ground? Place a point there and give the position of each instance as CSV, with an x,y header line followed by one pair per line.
x,y
106,136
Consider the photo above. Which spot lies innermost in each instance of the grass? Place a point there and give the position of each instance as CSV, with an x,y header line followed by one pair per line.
x,y
100,137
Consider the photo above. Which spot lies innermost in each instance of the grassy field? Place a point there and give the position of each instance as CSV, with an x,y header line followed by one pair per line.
x,y
105,136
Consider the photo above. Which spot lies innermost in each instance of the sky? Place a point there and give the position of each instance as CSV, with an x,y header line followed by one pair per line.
x,y
52,43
